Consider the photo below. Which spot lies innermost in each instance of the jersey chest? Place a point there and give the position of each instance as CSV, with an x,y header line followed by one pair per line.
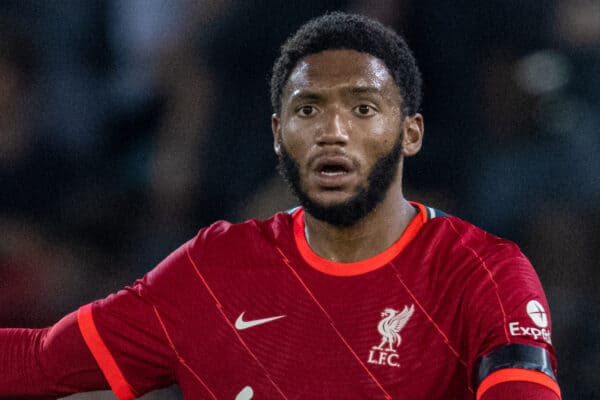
x,y
276,328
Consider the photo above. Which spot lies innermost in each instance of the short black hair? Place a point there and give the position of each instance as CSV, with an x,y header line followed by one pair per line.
x,y
339,30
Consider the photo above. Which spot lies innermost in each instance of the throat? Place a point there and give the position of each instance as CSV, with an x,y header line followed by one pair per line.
x,y
367,238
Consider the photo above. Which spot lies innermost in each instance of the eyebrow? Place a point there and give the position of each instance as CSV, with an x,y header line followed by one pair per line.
x,y
303,94
359,90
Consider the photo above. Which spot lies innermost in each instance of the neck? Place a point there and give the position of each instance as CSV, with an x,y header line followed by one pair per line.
x,y
368,237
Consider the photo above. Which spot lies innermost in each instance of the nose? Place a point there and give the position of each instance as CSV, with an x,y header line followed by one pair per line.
x,y
334,131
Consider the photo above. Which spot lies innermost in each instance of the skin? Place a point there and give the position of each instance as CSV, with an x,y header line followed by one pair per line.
x,y
344,106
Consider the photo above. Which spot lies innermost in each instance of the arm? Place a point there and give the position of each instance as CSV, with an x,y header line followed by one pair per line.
x,y
119,346
117,342
510,323
519,391
47,363
517,371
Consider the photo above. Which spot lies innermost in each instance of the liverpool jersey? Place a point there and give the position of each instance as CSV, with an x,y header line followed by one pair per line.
x,y
249,310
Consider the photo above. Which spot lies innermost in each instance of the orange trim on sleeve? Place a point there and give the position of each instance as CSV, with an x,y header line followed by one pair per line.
x,y
359,267
104,358
517,374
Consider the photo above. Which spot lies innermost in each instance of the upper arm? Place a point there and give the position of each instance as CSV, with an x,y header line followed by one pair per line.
x,y
47,362
133,333
516,368
127,331
519,390
511,346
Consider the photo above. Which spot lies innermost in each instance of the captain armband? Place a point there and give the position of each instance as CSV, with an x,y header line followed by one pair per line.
x,y
515,362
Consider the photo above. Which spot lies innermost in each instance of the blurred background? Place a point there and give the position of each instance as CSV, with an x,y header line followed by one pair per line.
x,y
126,125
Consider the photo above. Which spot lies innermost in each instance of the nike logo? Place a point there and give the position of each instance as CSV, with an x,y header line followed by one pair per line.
x,y
246,394
240,324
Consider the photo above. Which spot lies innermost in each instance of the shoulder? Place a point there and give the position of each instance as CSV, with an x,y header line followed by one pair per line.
x,y
462,241
484,266
229,237
502,299
220,243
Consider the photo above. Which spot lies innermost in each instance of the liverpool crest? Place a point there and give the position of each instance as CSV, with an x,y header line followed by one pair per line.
x,y
389,328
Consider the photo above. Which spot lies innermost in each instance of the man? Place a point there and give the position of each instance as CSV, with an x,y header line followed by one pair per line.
x,y
356,294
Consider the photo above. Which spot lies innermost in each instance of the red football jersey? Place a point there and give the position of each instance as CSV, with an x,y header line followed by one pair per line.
x,y
249,310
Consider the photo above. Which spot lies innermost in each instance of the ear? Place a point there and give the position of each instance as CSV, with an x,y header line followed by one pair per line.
x,y
276,128
413,134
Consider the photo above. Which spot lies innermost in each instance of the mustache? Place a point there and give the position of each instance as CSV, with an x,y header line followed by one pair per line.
x,y
317,157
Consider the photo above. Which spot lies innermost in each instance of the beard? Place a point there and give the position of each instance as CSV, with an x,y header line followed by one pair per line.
x,y
351,211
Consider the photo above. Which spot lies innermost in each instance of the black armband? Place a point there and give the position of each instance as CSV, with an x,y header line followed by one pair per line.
x,y
514,356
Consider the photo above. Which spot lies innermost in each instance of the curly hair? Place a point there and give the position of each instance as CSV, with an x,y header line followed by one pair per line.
x,y
339,30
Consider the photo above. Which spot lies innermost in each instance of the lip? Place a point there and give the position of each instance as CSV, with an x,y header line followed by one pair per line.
x,y
333,171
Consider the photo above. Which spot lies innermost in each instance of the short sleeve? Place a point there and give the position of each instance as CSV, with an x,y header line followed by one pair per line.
x,y
509,315
506,303
126,335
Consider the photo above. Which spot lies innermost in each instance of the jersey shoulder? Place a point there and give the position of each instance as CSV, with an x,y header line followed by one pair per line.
x,y
237,238
465,240
503,299
485,262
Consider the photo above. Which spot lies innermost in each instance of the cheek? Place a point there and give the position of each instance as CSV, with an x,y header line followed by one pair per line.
x,y
378,147
299,132
294,138
382,135
291,140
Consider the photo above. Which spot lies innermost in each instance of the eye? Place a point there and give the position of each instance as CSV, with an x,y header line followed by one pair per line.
x,y
306,111
364,110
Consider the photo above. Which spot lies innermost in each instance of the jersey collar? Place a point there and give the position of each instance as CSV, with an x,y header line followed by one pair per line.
x,y
363,266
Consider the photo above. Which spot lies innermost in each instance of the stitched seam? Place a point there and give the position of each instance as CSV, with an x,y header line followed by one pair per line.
x,y
179,358
222,312
338,333
483,264
435,325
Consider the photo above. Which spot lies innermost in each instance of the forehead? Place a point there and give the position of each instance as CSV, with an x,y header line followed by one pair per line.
x,y
340,69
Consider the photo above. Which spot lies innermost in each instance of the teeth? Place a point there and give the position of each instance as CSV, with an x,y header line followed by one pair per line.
x,y
333,173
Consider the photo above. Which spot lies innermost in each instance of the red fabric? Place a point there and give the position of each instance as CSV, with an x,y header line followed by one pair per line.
x,y
463,288
105,360
360,267
52,362
519,391
516,375
460,291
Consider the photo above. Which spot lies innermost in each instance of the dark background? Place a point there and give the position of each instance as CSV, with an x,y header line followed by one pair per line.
x,y
126,125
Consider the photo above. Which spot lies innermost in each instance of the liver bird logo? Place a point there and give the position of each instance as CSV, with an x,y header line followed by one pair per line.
x,y
391,324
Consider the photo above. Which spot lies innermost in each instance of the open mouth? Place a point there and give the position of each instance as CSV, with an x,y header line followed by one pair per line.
x,y
333,165
333,170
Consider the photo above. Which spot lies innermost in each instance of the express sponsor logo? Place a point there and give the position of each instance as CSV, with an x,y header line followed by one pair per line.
x,y
539,317
537,313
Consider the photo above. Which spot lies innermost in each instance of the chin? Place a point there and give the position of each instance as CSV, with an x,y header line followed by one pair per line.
x,y
343,213
330,199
